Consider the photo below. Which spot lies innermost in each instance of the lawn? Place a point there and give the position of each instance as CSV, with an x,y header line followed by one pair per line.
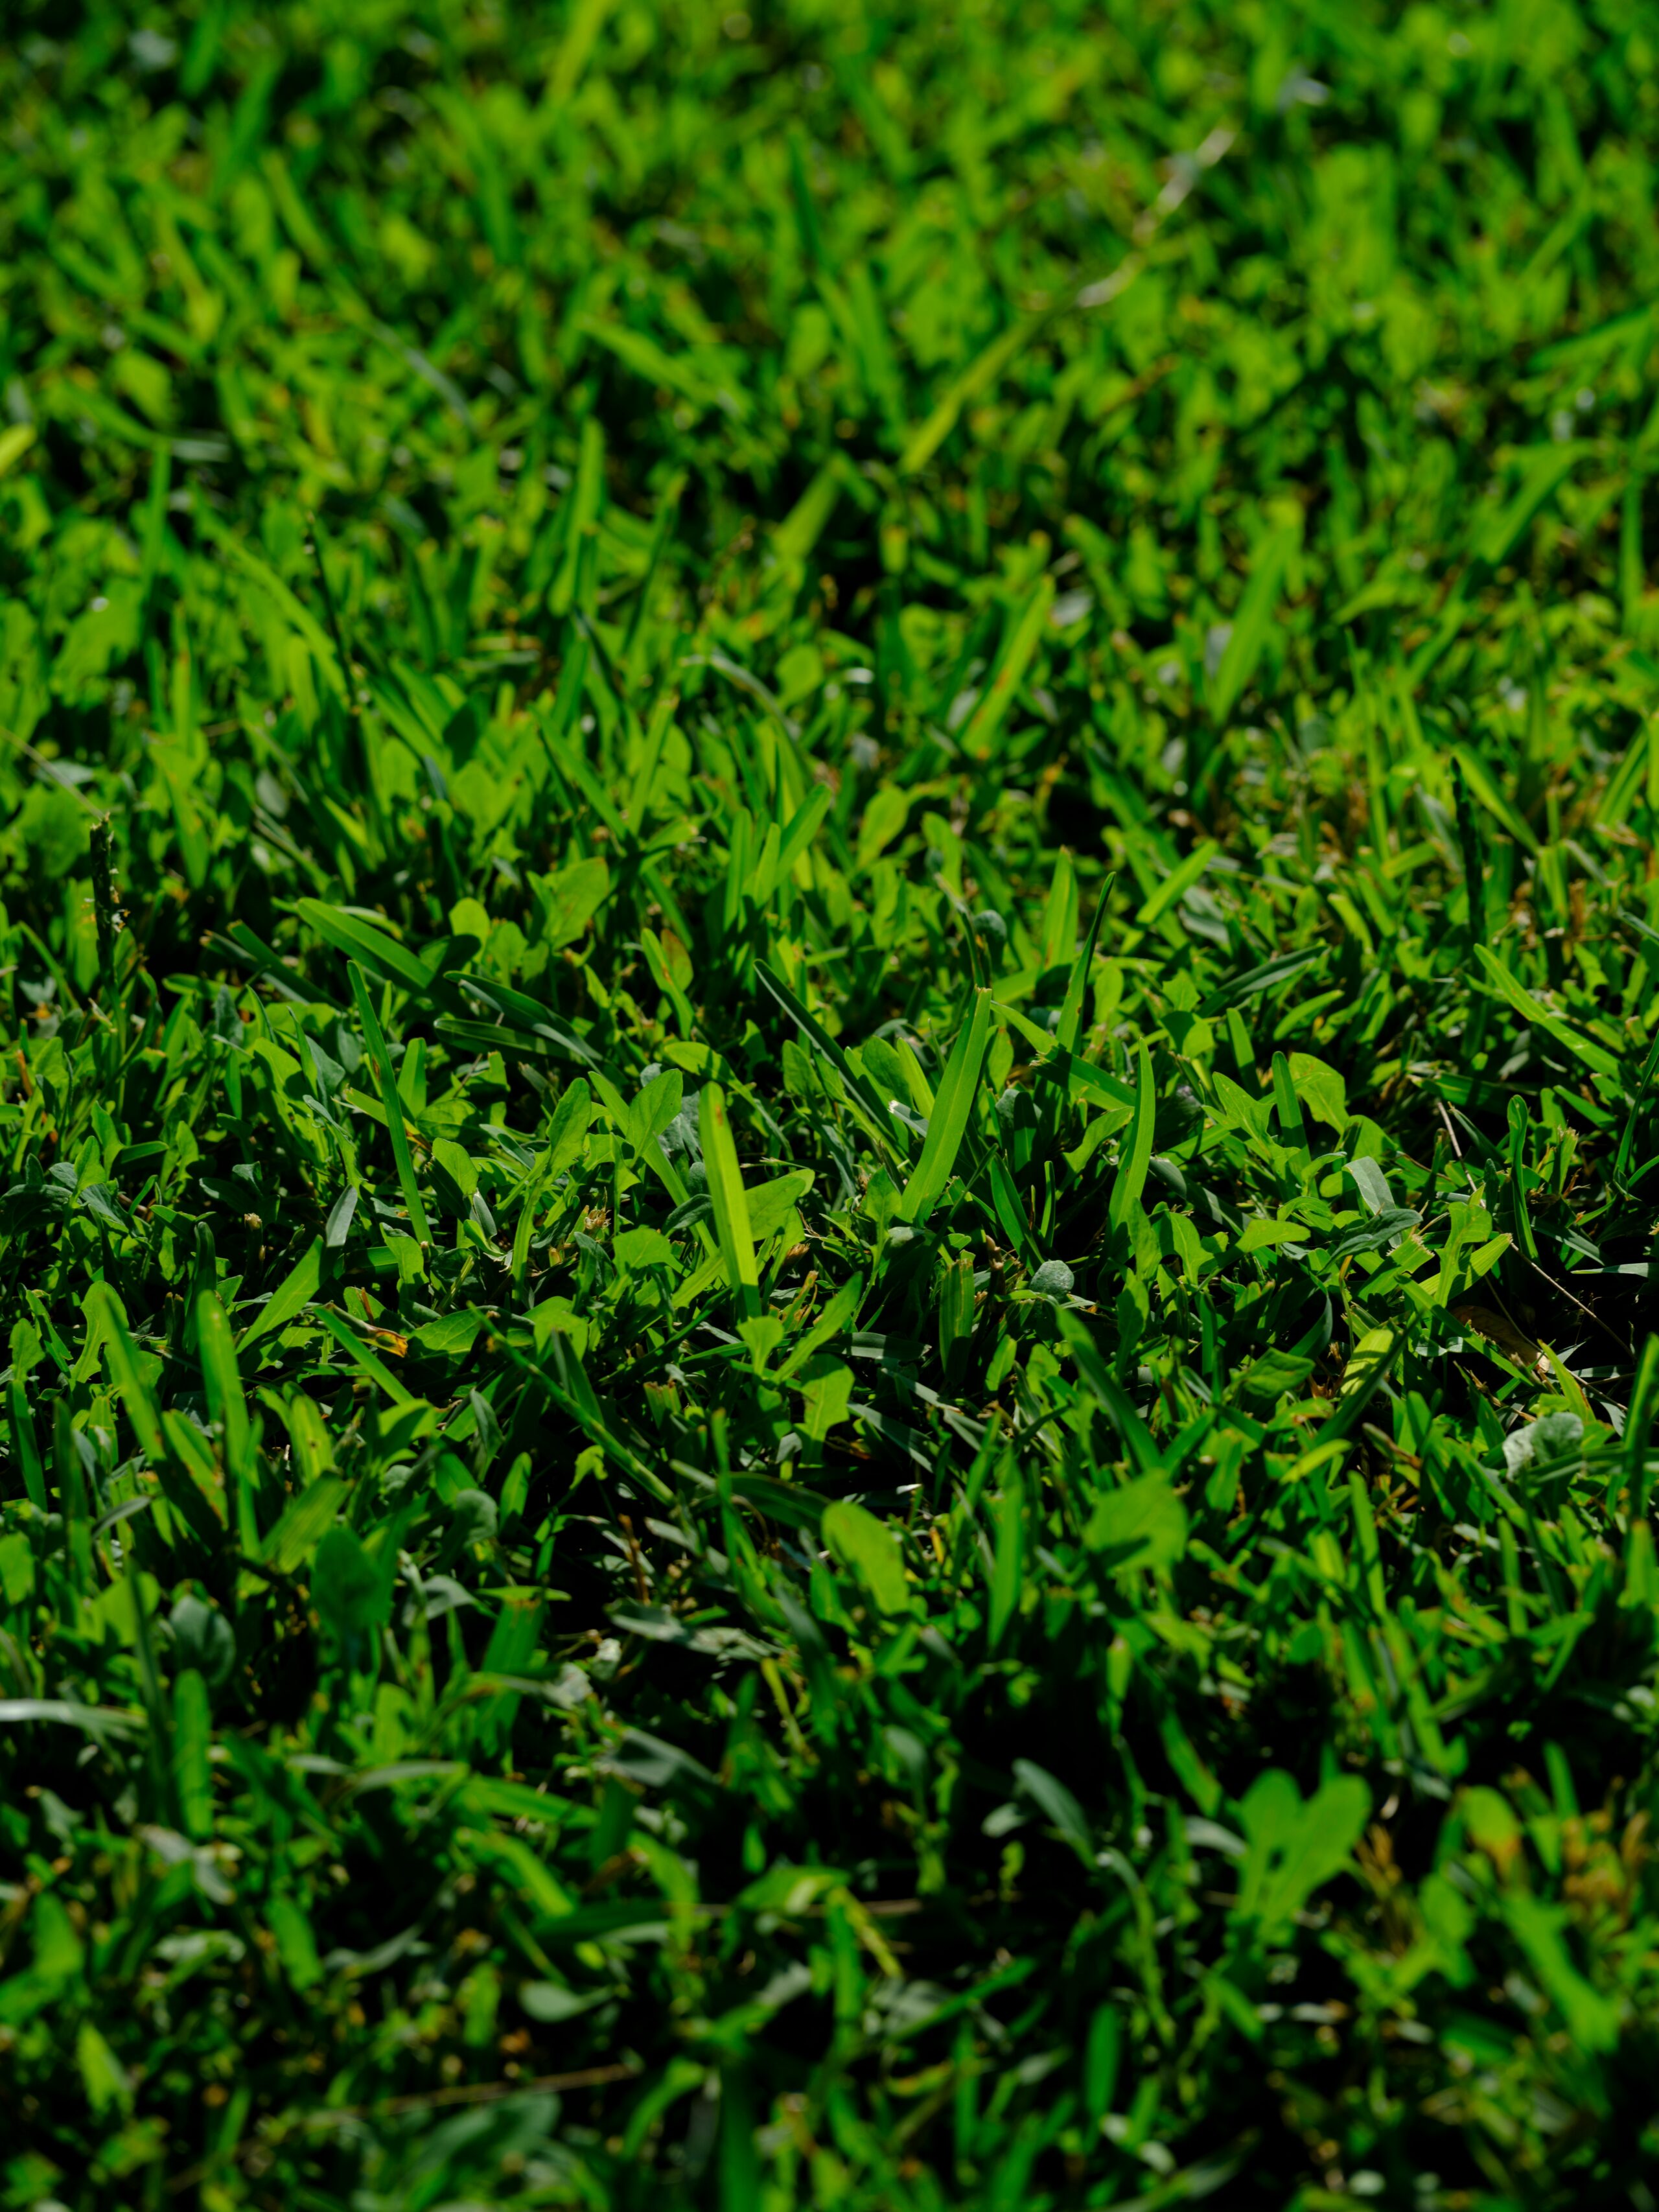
x,y
830,941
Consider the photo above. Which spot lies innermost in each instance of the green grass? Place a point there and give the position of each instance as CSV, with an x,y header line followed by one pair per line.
x,y
829,1230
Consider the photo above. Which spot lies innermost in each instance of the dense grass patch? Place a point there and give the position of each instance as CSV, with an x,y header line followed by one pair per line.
x,y
829,936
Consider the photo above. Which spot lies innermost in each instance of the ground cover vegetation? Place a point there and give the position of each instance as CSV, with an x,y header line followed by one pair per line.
x,y
829,940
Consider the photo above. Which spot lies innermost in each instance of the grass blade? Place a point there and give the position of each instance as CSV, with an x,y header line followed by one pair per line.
x,y
728,1200
948,1125
1136,1150
385,1075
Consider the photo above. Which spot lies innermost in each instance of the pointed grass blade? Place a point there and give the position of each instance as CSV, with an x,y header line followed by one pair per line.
x,y
727,1199
948,1124
1137,1152
387,1078
1071,1012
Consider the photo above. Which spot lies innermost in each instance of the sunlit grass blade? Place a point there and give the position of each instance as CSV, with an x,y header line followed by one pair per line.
x,y
1077,984
947,1125
1135,1150
727,1199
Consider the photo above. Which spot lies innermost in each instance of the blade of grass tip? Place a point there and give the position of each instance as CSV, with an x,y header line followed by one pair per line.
x,y
314,547
228,1407
727,1201
524,1229
656,733
1290,1106
571,677
802,828
1468,839
1071,1012
1177,884
1059,912
650,1152
1137,1151
980,373
291,1296
104,907
1520,1122
889,1134
1251,623
140,1405
948,1124
1004,1196
353,1346
1021,642
1137,1437
394,1107
841,1313
1469,770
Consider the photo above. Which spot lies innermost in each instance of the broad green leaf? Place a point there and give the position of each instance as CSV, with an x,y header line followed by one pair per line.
x,y
883,819
826,1387
867,1549
1274,1374
16,1569
302,1524
1373,1355
1593,2017
571,1117
1295,1846
572,897
107,2083
642,1247
451,1338
296,1945
1321,1088
647,1115
770,1204
348,1588
291,1296
1548,468
452,1161
1143,1524
1057,1805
